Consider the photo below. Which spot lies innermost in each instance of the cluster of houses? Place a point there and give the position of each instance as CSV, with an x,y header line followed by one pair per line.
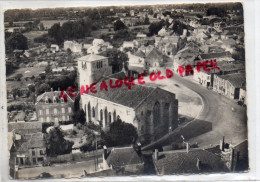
x,y
153,111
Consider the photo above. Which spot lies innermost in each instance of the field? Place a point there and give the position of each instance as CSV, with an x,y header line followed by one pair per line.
x,y
48,23
33,34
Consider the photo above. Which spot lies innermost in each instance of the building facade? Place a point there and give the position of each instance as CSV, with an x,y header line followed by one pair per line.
x,y
52,107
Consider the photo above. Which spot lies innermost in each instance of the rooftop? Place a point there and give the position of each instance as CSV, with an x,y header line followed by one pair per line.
x,y
124,96
91,57
215,55
123,156
34,140
182,162
20,126
236,79
51,95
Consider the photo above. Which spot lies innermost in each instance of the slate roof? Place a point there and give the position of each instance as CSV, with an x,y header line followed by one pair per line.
x,y
236,79
34,140
215,55
140,53
119,75
123,156
51,95
25,127
91,57
179,162
123,96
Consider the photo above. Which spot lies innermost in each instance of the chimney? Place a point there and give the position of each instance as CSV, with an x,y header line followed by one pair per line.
x,y
198,164
105,152
222,144
187,147
51,89
156,154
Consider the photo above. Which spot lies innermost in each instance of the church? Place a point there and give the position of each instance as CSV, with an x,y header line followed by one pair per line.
x,y
153,111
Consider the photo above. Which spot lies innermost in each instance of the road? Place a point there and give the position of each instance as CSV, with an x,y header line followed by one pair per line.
x,y
215,119
66,170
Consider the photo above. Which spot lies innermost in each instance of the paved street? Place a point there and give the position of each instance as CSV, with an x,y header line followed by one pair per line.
x,y
216,110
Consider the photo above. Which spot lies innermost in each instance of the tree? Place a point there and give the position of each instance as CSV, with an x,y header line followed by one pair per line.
x,y
120,133
79,117
18,77
44,87
56,144
56,32
119,25
16,92
178,27
48,69
16,41
117,59
146,20
154,28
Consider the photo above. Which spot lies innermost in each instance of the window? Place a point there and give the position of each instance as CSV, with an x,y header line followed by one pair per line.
x,y
40,112
93,112
48,119
101,115
55,111
56,119
62,100
41,152
47,111
34,160
63,110
40,159
33,153
63,118
46,101
69,109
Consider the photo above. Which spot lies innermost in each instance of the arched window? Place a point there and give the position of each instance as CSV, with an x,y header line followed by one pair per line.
x,y
156,114
93,112
106,116
89,112
101,115
114,115
109,118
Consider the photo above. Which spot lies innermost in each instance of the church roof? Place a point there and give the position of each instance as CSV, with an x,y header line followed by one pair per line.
x,y
124,96
91,57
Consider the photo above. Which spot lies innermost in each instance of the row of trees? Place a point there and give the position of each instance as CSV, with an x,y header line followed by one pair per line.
x,y
178,27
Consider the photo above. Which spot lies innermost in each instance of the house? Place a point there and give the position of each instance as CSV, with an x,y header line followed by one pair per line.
x,y
35,50
92,68
54,48
96,49
28,147
98,42
126,160
54,106
206,78
136,63
234,156
140,35
185,57
242,95
218,56
163,32
127,44
151,110
60,69
230,84
154,59
188,161
218,26
73,46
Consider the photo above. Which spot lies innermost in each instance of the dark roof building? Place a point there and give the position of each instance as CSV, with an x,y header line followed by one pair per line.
x,y
193,161
124,159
